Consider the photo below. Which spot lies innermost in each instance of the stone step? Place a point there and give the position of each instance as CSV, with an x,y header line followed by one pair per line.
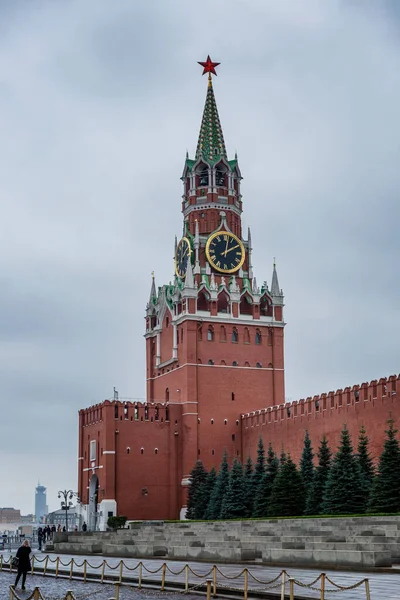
x,y
327,558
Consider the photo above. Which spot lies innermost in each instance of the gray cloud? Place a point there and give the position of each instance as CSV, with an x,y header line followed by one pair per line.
x,y
98,106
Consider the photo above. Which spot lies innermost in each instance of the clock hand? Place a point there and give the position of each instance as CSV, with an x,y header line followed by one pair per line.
x,y
226,247
230,250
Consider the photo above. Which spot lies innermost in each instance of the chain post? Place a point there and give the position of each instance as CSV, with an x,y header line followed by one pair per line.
x,y
1,562
57,565
117,587
164,568
71,569
208,582
11,593
186,578
121,566
45,565
246,583
33,564
102,571
367,592
11,559
291,582
140,575
84,570
69,595
323,586
214,581
283,585
36,594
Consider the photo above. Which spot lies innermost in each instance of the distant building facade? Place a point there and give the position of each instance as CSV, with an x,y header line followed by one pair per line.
x,y
40,502
10,515
57,518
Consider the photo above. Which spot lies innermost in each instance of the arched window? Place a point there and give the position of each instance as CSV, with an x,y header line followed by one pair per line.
x,y
210,362
210,334
234,364
235,335
223,303
167,322
258,365
203,301
222,334
232,396
155,450
141,450
167,395
246,336
258,336
223,362
246,364
270,336
200,333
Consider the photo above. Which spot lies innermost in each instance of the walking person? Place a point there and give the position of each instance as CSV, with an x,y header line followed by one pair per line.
x,y
24,563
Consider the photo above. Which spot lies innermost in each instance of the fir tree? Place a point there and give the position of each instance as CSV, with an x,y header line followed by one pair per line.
x,y
282,458
307,465
208,489
288,491
315,497
344,490
233,505
221,485
259,467
365,459
197,480
248,482
261,501
385,493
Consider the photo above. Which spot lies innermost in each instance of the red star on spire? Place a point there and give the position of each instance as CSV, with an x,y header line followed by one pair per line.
x,y
209,66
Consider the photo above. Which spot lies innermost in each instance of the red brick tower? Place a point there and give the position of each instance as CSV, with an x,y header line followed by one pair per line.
x,y
214,338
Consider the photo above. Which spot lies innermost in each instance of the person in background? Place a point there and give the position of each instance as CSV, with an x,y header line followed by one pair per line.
x,y
40,537
24,563
84,526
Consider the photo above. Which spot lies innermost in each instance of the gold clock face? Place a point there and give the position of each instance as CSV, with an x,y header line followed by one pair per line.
x,y
182,255
225,252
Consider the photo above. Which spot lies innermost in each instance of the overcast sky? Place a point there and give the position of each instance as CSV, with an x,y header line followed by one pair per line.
x,y
99,102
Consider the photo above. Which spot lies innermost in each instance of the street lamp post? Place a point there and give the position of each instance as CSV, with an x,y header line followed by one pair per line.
x,y
66,503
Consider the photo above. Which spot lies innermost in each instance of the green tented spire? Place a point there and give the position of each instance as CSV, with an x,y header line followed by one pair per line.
x,y
211,145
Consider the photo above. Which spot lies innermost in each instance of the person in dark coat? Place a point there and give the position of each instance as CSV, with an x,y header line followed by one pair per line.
x,y
24,563
84,526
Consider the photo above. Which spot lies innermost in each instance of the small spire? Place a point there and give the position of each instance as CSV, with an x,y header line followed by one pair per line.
x,y
275,291
153,293
189,279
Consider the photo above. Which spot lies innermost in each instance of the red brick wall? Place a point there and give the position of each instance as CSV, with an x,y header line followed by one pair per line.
x,y
325,414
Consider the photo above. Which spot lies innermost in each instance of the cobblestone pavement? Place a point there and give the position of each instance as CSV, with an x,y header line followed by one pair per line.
x,y
55,589
383,586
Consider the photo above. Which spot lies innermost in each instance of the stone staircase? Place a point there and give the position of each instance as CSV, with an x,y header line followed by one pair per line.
x,y
356,542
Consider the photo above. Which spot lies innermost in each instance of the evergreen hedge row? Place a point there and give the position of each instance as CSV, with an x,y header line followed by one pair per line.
x,y
343,484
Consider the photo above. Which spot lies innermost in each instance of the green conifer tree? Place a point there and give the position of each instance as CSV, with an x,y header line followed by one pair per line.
x,y
234,502
197,480
259,467
261,501
282,458
288,491
385,493
307,465
344,490
221,485
208,489
315,497
248,482
365,459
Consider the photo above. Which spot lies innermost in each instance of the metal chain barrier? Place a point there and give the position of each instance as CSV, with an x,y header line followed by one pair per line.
x,y
280,580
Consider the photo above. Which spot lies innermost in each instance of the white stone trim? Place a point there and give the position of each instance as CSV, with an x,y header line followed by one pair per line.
x,y
189,413
90,468
212,367
228,318
80,458
108,451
